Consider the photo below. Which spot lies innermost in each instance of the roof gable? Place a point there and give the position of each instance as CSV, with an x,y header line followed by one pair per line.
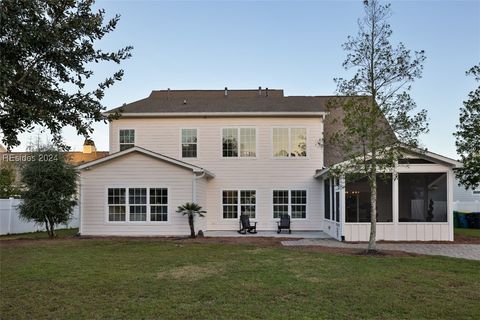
x,y
155,155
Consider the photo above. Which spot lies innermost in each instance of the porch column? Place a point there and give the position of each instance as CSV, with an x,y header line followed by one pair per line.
x,y
395,206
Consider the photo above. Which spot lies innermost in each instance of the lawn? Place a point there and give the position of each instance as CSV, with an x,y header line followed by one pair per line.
x,y
168,279
473,233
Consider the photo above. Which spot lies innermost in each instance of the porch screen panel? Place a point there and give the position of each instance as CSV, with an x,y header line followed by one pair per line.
x,y
326,196
358,204
422,197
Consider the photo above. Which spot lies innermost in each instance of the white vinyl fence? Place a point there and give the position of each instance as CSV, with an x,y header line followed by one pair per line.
x,y
466,206
10,221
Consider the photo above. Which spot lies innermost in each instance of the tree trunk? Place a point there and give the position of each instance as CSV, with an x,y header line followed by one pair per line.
x,y
192,230
47,227
52,229
372,244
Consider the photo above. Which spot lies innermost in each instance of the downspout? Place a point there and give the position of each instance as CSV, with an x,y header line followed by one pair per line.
x,y
194,185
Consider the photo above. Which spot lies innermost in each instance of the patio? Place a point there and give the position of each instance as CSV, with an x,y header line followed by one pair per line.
x,y
271,234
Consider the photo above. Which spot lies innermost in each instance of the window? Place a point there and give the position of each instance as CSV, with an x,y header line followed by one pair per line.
x,y
358,204
293,203
234,201
137,199
127,139
189,143
326,197
158,204
280,203
422,197
135,206
239,142
289,142
116,204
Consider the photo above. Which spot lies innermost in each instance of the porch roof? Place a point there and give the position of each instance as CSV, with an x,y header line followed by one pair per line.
x,y
423,154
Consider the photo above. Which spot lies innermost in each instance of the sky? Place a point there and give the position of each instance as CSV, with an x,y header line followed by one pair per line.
x,y
295,46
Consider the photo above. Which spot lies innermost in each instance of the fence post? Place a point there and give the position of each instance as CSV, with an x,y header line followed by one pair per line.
x,y
10,204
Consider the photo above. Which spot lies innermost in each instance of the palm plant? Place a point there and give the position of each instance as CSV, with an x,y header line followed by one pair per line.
x,y
191,209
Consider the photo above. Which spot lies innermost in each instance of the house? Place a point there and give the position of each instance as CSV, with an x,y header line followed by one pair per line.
x,y
465,200
256,152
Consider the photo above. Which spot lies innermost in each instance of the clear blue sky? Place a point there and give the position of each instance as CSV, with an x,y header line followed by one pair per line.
x,y
291,45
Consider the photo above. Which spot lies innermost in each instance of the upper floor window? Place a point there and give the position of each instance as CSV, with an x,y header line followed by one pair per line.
x,y
189,143
239,142
289,142
127,138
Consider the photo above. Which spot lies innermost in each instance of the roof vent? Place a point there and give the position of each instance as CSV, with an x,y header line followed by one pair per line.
x,y
185,101
266,92
259,91
226,91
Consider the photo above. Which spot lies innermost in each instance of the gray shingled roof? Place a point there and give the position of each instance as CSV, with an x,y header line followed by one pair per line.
x,y
194,101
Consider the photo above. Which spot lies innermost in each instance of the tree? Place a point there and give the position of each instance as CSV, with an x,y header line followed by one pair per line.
x,y
7,180
191,209
468,135
50,189
46,50
378,91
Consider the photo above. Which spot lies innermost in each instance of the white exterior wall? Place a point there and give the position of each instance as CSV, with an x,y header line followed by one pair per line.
x,y
408,231
465,200
134,170
262,173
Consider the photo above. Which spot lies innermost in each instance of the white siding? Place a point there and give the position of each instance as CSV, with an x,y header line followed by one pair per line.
x,y
263,173
134,170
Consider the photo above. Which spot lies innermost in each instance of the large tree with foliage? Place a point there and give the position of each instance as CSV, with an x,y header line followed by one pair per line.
x,y
378,91
47,51
50,185
8,176
468,136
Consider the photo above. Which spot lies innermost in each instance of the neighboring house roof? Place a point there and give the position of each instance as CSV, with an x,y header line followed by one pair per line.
x,y
77,158
149,153
168,102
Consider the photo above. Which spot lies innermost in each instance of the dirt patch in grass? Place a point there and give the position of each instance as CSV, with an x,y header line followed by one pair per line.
x,y
354,251
193,272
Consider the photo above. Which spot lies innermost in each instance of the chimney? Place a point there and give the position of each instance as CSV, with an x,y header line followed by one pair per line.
x,y
89,146
226,91
259,91
266,92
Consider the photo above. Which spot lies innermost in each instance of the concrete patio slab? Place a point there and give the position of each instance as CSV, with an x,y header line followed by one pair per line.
x,y
271,234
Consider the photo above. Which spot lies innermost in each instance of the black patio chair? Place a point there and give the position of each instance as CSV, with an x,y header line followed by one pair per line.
x,y
246,226
284,223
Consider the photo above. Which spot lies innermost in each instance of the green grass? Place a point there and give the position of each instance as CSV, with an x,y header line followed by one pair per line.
x,y
141,279
474,233
61,233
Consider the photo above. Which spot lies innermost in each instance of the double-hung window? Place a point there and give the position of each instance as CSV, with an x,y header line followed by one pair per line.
x,y
126,138
137,199
189,143
158,204
116,204
137,204
235,201
239,142
291,202
289,142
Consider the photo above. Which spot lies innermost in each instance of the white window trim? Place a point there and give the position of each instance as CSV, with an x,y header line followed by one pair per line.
x,y
181,147
239,205
134,139
239,142
289,143
127,205
290,202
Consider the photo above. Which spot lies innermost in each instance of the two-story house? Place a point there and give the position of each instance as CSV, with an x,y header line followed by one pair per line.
x,y
255,152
